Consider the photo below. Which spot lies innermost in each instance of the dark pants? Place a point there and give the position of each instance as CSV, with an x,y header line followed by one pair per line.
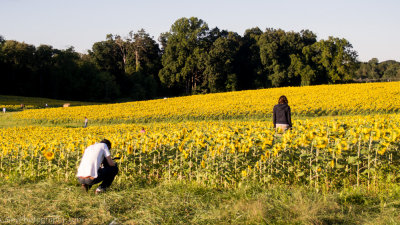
x,y
106,174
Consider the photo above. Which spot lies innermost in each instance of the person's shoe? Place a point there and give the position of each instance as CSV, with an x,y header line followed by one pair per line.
x,y
85,187
99,190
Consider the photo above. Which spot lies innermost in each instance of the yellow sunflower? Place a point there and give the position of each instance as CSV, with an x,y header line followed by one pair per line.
x,y
49,155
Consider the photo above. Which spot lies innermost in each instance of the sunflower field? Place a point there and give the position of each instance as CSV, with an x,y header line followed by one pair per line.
x,y
323,100
325,152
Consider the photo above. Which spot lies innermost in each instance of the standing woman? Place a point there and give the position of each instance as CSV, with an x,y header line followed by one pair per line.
x,y
282,115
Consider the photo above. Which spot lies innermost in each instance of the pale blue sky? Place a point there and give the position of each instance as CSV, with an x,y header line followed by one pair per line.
x,y
371,26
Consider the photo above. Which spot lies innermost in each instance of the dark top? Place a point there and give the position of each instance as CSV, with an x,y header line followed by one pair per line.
x,y
282,114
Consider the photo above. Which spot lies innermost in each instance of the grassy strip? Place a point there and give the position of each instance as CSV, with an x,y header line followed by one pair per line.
x,y
180,118
54,203
7,120
14,102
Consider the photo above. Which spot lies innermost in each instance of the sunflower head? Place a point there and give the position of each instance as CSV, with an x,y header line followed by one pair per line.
x,y
49,155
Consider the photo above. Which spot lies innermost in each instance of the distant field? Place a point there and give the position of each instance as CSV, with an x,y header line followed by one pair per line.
x,y
13,103
312,101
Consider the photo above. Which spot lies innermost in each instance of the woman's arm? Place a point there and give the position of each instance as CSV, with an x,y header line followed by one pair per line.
x,y
274,117
289,117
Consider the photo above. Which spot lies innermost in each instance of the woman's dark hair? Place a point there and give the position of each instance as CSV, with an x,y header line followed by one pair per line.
x,y
283,100
107,142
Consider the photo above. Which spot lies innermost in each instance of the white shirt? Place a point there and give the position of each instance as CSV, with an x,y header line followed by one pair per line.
x,y
92,159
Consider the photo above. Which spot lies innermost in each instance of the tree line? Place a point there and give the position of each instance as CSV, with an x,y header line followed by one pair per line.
x,y
191,58
374,70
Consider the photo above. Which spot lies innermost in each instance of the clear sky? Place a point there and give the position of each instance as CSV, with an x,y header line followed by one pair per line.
x,y
371,26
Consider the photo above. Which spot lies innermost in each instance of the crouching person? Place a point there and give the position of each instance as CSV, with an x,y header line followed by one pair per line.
x,y
97,166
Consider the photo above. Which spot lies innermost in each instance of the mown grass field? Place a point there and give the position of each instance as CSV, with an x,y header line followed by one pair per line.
x,y
213,159
49,202
13,103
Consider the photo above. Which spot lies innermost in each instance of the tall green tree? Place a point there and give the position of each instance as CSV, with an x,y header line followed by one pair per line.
x,y
65,81
338,59
134,61
185,49
18,63
163,38
43,66
147,54
221,73
276,48
96,85
374,72
301,67
392,71
78,78
2,66
108,57
368,70
250,65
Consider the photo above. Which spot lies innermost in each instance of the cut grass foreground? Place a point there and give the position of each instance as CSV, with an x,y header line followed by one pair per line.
x,y
57,203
